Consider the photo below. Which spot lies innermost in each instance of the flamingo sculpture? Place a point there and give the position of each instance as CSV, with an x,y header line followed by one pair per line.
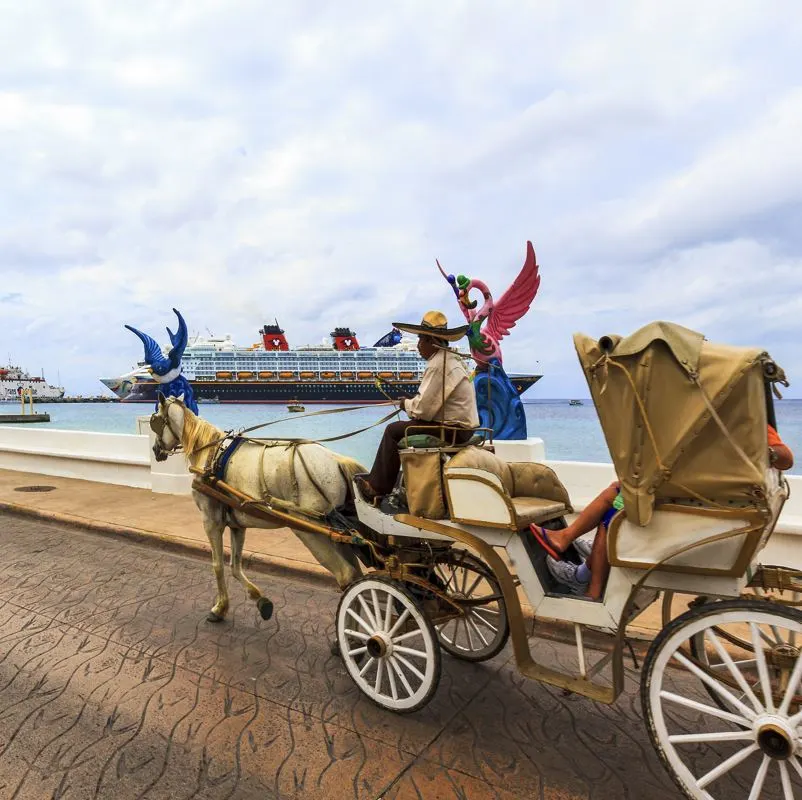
x,y
498,317
499,404
166,370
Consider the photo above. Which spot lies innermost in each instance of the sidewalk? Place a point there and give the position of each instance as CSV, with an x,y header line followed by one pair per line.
x,y
163,520
174,522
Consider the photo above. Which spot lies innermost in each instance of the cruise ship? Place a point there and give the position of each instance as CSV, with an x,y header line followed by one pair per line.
x,y
270,371
14,381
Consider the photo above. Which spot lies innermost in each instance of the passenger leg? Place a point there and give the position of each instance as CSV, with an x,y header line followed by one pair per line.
x,y
588,519
598,564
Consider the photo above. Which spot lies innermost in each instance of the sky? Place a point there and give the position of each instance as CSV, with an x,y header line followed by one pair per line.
x,y
307,161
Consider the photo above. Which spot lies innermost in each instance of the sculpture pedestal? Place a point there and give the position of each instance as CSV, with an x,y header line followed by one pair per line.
x,y
166,477
531,449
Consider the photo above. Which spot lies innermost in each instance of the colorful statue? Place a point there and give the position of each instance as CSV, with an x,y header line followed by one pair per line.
x,y
166,370
500,406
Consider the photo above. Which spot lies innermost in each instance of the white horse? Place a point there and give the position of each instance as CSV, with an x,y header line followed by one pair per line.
x,y
310,476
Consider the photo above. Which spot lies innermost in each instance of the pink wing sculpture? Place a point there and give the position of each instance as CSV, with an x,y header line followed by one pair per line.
x,y
497,398
498,317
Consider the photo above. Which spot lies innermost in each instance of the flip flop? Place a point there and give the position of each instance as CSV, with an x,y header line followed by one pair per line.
x,y
543,540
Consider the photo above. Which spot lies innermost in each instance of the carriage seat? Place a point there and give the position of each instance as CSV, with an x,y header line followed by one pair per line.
x,y
485,490
421,441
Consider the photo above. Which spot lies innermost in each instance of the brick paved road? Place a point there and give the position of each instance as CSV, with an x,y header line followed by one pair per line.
x,y
114,686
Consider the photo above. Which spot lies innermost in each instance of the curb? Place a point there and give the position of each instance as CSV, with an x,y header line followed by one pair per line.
x,y
255,562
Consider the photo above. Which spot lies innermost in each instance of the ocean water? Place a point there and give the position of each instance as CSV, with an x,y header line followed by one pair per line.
x,y
571,433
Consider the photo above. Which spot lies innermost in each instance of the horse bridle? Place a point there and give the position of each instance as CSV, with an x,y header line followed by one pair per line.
x,y
157,425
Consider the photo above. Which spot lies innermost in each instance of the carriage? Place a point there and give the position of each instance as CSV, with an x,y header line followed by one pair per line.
x,y
449,565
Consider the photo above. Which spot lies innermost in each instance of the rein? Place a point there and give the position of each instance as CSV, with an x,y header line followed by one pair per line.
x,y
290,441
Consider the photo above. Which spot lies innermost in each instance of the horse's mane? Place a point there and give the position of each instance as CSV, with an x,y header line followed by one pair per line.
x,y
197,436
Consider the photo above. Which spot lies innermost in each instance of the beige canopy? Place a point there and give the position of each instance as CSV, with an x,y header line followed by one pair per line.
x,y
671,370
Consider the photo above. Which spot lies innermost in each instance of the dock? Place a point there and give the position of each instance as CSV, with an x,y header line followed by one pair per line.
x,y
6,419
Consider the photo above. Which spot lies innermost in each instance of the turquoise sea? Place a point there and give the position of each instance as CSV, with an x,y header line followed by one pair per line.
x,y
571,433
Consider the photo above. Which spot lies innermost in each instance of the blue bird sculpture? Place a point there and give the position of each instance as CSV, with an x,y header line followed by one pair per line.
x,y
166,370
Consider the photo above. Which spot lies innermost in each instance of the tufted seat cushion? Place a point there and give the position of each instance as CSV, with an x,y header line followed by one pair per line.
x,y
535,509
532,492
477,458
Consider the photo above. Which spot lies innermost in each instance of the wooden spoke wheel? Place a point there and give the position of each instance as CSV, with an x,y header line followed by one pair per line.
x,y
482,630
388,645
749,742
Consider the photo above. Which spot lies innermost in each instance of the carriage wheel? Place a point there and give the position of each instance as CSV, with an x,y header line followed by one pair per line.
x,y
389,647
740,643
484,629
749,744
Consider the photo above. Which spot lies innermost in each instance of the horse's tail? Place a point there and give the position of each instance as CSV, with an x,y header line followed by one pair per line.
x,y
350,467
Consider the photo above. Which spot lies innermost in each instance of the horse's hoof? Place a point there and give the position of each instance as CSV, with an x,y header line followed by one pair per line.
x,y
265,607
335,648
212,617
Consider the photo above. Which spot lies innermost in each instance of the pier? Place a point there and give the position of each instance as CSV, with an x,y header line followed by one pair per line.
x,y
6,419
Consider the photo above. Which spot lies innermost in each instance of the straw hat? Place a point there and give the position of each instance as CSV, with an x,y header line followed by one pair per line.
x,y
434,323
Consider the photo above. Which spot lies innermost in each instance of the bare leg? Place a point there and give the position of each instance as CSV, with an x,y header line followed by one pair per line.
x,y
214,530
588,519
598,564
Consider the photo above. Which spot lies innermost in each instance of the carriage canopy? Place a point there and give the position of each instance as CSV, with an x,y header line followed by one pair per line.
x,y
703,405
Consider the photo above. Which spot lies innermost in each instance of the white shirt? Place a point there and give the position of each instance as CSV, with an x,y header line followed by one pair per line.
x,y
460,396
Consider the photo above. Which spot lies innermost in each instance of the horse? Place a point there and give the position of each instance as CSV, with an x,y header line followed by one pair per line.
x,y
308,476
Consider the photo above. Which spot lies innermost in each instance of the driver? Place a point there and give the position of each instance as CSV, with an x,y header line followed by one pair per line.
x,y
446,396
589,577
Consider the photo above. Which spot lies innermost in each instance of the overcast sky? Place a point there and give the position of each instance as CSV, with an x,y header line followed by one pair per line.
x,y
309,161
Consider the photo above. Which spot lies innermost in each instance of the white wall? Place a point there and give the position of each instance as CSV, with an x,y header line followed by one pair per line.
x,y
126,459
104,457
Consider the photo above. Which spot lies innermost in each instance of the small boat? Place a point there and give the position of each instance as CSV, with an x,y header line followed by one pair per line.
x,y
244,376
385,374
574,402
347,374
285,375
406,376
363,375
327,375
295,406
224,376
307,374
264,375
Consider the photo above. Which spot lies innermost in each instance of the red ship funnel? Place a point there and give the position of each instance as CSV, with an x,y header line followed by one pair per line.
x,y
344,339
273,338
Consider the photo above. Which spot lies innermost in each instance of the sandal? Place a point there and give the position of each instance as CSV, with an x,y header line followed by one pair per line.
x,y
543,540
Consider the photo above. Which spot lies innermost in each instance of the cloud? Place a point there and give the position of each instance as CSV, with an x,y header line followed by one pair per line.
x,y
243,162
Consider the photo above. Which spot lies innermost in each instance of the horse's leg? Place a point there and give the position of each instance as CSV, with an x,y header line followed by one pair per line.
x,y
264,605
336,557
214,530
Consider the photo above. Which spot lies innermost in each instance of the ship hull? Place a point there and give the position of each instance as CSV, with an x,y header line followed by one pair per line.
x,y
327,392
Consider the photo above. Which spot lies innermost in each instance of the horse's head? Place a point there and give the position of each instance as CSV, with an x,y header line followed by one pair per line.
x,y
167,422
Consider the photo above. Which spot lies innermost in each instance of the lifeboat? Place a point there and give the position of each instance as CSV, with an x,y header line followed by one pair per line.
x,y
265,374
285,374
406,376
347,374
244,376
385,374
224,376
363,375
307,374
327,375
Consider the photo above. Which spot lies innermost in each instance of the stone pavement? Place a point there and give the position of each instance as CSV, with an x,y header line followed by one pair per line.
x,y
173,522
114,686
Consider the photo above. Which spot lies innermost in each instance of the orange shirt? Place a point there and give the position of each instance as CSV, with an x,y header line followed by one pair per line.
x,y
774,438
